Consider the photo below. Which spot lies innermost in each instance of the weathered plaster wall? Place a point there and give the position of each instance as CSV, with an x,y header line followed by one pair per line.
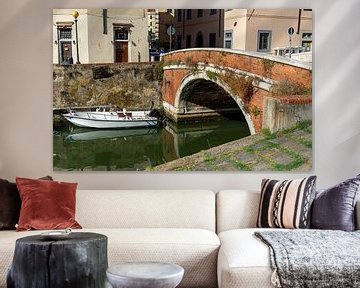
x,y
26,90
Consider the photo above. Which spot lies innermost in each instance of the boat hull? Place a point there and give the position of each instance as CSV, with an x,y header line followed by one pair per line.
x,y
110,121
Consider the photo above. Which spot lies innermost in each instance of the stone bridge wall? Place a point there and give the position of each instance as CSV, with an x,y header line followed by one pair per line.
x,y
130,85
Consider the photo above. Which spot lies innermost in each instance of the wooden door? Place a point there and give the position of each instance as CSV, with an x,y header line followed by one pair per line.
x,y
121,51
66,52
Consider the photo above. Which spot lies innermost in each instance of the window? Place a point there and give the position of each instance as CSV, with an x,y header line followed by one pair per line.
x,y
264,41
199,40
228,39
121,34
188,14
188,41
178,42
199,12
64,34
179,15
213,11
306,41
212,40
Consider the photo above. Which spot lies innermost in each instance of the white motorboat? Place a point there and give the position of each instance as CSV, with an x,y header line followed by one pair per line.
x,y
112,119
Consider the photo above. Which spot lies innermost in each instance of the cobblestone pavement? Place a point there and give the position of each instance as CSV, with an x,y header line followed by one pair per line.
x,y
289,150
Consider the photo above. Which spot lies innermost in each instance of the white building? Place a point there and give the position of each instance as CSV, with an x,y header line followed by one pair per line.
x,y
266,30
104,36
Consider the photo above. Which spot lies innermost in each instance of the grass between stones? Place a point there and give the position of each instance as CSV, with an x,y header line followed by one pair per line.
x,y
287,150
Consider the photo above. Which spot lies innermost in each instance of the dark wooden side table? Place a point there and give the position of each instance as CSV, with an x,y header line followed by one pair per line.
x,y
79,260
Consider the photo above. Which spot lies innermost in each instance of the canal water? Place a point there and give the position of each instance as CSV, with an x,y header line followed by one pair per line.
x,y
80,149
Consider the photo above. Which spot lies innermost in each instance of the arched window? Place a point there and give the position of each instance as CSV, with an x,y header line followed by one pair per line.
x,y
199,40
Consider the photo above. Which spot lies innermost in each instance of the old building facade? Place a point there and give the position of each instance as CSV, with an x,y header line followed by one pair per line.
x,y
198,28
266,30
100,36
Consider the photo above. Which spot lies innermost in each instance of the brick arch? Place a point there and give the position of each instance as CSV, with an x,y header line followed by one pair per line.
x,y
202,75
230,68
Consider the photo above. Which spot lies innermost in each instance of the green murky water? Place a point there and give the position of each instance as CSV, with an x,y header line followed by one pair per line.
x,y
80,149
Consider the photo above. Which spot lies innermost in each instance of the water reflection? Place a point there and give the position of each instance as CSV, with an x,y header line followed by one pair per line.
x,y
138,149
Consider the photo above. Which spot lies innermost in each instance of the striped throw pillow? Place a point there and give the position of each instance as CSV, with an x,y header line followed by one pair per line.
x,y
286,204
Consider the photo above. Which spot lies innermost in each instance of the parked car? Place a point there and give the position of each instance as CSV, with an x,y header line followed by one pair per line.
x,y
154,54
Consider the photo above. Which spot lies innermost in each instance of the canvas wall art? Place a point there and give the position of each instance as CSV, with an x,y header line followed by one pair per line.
x,y
182,89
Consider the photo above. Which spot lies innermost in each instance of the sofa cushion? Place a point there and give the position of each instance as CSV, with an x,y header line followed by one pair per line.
x,y
196,250
236,209
153,209
286,204
334,208
46,204
244,260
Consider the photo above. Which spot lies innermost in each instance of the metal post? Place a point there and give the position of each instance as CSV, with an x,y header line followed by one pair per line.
x,y
76,15
290,32
77,42
290,48
170,35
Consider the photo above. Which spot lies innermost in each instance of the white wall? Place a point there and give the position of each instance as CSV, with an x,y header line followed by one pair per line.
x,y
26,96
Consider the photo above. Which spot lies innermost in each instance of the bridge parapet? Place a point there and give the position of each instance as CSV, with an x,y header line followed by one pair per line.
x,y
262,65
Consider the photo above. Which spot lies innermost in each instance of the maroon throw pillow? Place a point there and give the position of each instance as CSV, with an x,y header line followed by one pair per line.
x,y
46,204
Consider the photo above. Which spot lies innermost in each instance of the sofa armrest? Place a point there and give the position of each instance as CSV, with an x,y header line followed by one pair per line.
x,y
357,215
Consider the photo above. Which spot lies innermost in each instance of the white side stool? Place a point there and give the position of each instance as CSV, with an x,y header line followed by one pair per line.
x,y
145,275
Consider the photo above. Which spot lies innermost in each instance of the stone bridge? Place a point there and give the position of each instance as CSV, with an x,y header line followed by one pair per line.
x,y
268,91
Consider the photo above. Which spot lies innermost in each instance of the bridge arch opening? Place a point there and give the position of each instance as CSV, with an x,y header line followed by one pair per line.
x,y
199,94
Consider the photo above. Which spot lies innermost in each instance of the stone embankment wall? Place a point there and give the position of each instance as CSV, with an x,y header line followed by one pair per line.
x,y
128,85
285,112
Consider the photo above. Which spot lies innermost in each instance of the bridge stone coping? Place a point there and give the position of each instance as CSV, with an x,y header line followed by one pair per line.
x,y
279,59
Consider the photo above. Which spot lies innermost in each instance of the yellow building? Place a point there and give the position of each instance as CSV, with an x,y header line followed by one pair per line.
x,y
266,30
100,36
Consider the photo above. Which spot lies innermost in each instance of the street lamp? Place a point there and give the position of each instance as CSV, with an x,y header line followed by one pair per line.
x,y
75,14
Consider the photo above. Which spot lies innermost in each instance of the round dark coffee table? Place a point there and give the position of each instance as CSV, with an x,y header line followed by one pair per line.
x,y
78,260
145,275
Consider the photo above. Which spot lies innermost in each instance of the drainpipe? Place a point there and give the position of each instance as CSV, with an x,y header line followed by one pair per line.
x,y
299,21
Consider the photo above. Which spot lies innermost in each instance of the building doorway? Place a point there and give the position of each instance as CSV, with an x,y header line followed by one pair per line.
x,y
65,44
121,51
121,44
66,53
